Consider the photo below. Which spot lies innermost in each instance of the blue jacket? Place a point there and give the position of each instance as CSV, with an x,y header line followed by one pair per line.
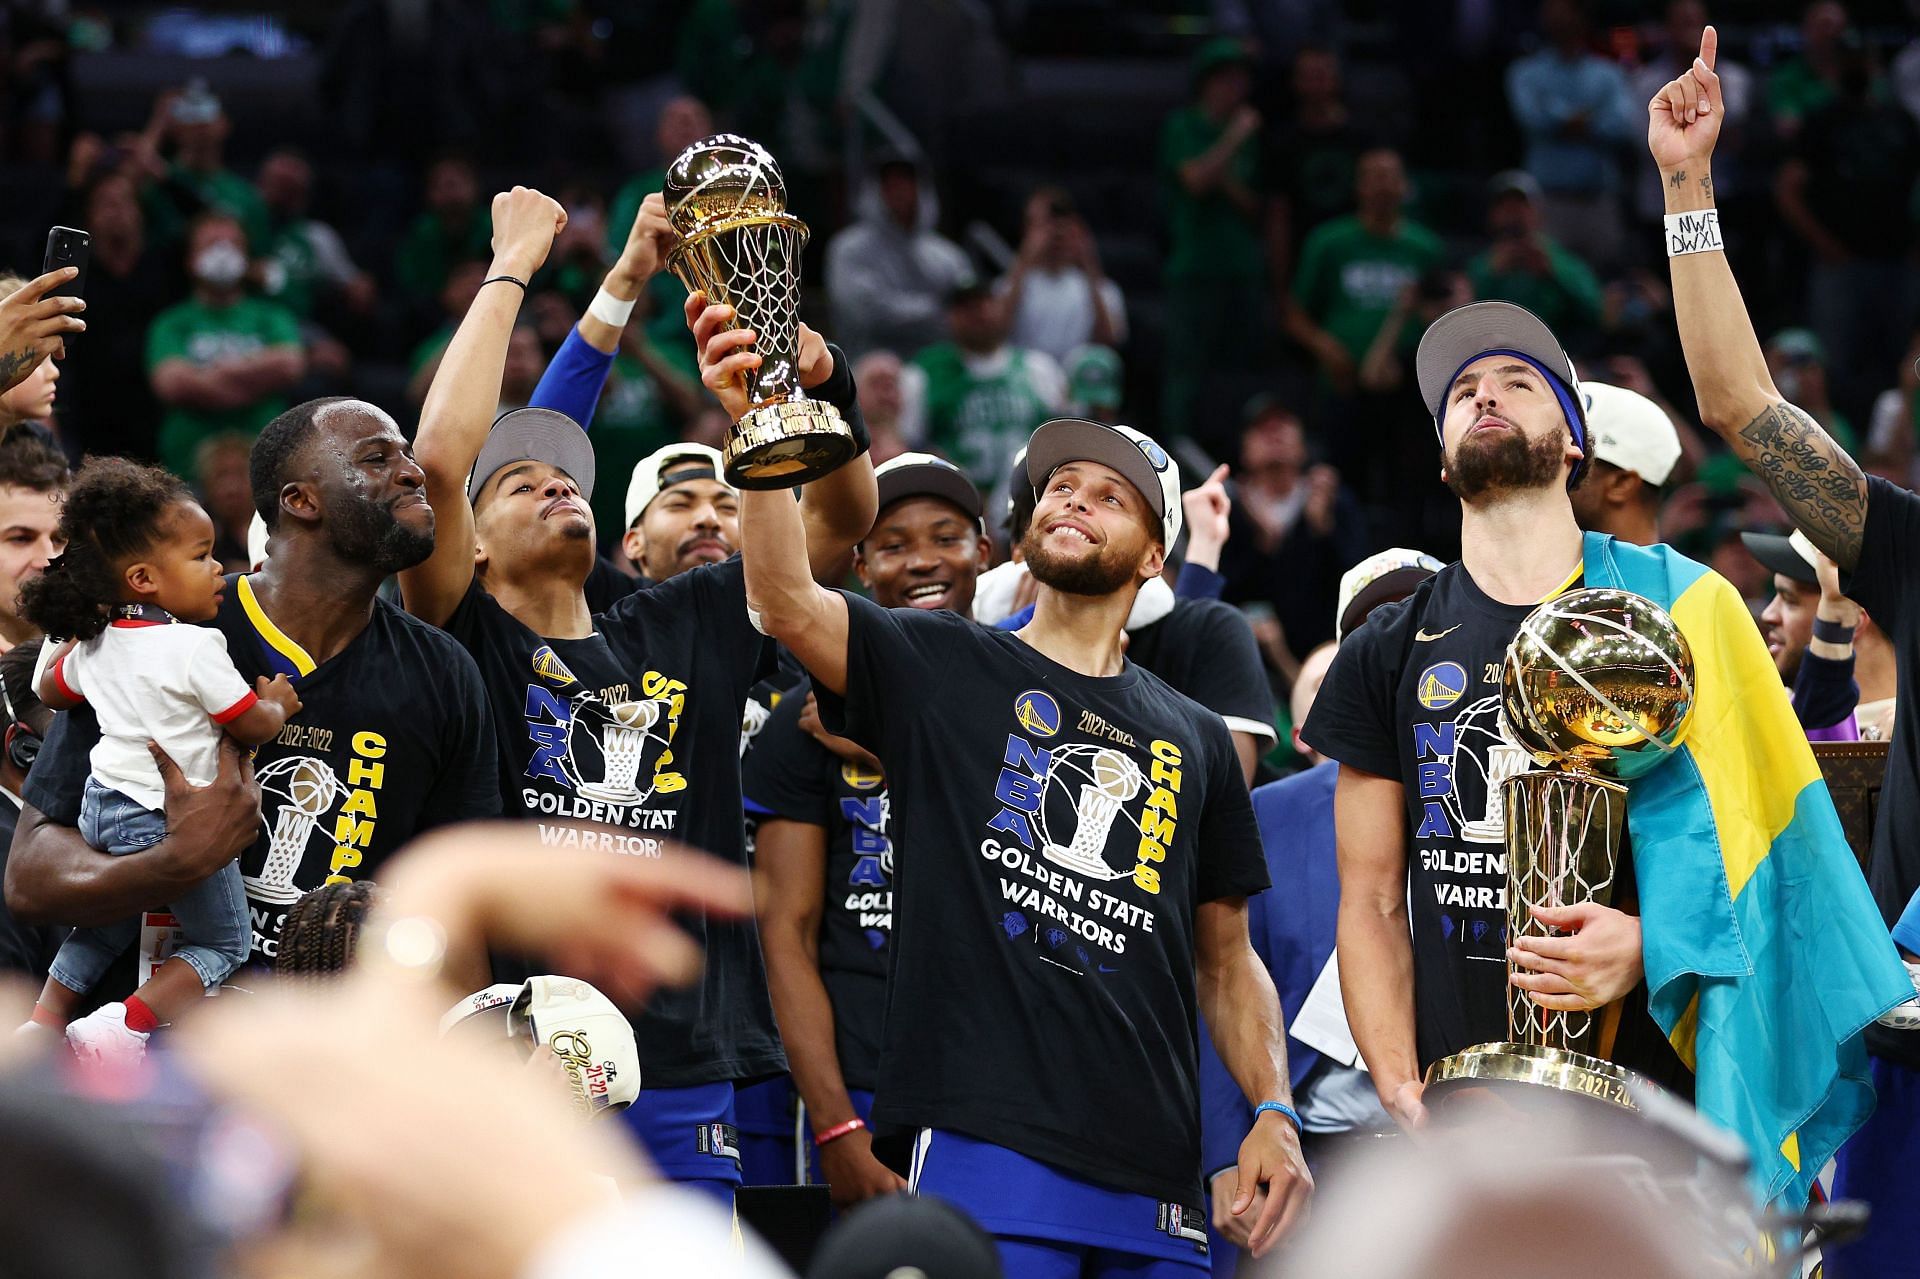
x,y
1292,926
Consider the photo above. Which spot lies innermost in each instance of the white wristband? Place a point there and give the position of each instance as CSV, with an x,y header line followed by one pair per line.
x,y
1695,232
609,309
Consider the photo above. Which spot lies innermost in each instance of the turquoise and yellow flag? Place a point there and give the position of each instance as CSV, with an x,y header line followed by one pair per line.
x,y
1765,955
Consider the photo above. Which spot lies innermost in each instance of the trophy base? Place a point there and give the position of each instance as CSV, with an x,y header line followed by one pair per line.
x,y
786,444
1494,1066
608,794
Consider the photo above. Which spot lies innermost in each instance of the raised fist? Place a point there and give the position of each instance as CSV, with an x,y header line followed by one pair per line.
x,y
525,221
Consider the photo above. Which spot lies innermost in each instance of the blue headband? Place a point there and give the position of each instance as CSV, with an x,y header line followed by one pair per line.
x,y
1569,405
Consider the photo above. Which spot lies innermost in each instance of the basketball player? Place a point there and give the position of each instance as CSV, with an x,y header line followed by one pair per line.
x,y
1083,848
823,851
1870,528
1410,709
392,738
629,719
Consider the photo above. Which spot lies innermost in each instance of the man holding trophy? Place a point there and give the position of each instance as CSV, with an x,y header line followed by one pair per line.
x,y
1682,954
1083,848
621,730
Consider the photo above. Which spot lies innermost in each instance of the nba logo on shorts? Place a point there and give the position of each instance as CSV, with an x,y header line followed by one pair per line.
x,y
1441,685
1037,712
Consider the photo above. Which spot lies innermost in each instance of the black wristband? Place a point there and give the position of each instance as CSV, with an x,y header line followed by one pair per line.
x,y
840,391
504,279
1832,632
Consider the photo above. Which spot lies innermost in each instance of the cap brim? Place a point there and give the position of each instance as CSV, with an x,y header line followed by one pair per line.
x,y
535,435
1072,439
1384,589
1775,552
929,481
1466,333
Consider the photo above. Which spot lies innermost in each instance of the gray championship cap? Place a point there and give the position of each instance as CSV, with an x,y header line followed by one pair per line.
x,y
1467,333
535,435
1133,454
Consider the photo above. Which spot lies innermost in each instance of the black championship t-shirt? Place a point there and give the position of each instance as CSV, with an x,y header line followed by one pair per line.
x,y
392,739
1414,694
790,775
1206,650
627,740
1065,829
1884,583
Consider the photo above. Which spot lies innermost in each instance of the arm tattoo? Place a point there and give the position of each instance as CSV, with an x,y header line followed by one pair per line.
x,y
1706,185
1679,176
1822,489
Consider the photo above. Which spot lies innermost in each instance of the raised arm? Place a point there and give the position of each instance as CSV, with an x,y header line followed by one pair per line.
x,y
53,876
460,404
1821,488
578,371
776,540
1376,948
1242,1009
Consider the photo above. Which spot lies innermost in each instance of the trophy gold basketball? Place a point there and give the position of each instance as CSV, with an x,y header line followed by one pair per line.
x,y
739,246
1598,689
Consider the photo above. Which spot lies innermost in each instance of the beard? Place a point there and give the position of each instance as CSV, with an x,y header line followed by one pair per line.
x,y
1102,573
370,533
1503,461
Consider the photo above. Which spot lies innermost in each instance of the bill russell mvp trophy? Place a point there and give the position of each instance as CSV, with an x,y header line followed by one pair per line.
x,y
739,246
1598,689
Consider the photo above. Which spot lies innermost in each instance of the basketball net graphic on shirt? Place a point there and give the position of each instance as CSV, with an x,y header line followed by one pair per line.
x,y
1503,761
625,728
623,740
307,789
1484,757
1106,781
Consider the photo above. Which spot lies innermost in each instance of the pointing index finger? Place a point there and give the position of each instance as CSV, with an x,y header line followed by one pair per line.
x,y
1709,45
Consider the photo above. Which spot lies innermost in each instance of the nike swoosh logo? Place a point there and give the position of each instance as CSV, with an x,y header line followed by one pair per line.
x,y
1423,637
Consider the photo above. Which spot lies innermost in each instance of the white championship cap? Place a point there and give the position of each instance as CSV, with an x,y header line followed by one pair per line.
x,y
593,1040
1379,579
1136,456
665,467
1631,432
570,1019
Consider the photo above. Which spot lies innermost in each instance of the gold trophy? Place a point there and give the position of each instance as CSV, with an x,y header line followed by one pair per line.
x,y
1598,689
739,246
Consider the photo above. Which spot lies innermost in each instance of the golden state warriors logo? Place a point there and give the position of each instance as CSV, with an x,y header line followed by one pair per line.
x,y
548,666
1156,456
1037,712
1441,685
860,777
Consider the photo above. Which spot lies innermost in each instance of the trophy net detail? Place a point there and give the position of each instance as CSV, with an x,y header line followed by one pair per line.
x,y
1563,843
754,267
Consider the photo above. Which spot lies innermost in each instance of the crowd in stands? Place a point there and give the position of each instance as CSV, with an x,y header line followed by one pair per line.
x,y
1319,200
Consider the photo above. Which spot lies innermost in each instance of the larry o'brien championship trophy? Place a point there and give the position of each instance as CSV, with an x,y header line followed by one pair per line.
x,y
1598,689
739,246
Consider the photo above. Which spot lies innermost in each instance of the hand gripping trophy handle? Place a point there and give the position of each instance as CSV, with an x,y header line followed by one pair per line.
x,y
739,246
1598,685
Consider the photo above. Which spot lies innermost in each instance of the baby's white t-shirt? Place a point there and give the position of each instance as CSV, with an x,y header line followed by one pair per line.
x,y
167,682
